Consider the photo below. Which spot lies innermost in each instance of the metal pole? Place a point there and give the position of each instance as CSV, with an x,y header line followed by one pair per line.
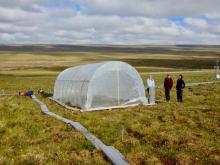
x,y
118,86
216,69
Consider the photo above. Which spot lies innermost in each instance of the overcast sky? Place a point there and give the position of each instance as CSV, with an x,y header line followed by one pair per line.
x,y
110,22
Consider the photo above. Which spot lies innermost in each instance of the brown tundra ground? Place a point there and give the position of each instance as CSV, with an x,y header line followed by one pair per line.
x,y
167,133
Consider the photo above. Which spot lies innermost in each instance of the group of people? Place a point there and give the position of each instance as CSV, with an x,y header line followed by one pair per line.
x,y
168,85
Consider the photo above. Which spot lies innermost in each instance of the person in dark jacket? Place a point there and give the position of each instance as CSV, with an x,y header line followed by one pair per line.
x,y
168,84
180,85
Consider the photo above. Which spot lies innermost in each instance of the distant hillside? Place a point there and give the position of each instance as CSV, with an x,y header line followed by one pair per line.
x,y
176,49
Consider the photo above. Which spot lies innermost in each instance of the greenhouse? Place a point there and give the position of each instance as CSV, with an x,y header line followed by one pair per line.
x,y
100,86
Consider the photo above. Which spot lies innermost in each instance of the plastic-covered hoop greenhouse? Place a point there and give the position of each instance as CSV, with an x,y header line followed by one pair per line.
x,y
100,86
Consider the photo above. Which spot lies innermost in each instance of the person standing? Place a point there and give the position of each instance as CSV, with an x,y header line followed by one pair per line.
x,y
180,85
151,90
150,83
168,84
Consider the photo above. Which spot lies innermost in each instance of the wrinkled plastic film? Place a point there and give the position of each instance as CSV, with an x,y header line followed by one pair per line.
x,y
100,85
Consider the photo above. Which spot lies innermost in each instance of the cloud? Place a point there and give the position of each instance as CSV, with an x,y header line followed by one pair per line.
x,y
109,22
7,37
197,23
159,8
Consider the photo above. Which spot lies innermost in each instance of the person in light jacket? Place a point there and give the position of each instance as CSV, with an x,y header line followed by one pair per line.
x,y
151,90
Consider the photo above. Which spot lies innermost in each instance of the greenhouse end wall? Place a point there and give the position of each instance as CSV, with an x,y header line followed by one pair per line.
x,y
100,85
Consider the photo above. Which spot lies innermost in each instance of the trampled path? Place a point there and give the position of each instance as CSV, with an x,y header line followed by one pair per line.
x,y
189,85
186,71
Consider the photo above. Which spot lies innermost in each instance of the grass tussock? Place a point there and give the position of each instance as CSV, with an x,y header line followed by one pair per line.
x,y
167,133
29,137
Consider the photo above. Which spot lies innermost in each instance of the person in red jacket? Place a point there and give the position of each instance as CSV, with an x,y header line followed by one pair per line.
x,y
168,84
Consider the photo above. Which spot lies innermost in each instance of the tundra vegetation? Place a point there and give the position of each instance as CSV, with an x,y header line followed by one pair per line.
x,y
167,133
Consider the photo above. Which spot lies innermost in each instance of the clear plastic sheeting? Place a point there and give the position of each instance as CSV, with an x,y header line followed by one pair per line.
x,y
100,85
